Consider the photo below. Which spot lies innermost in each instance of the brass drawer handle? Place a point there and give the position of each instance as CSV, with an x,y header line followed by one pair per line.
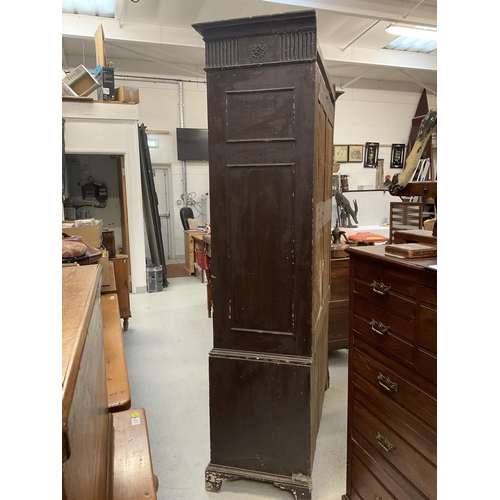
x,y
384,442
387,383
379,328
380,288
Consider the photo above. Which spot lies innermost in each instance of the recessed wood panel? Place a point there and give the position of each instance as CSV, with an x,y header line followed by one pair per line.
x,y
260,115
259,262
262,422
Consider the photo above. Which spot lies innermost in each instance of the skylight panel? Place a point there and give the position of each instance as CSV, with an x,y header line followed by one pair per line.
x,y
101,8
411,44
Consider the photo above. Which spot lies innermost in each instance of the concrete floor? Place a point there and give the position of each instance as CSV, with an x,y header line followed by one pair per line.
x,y
167,345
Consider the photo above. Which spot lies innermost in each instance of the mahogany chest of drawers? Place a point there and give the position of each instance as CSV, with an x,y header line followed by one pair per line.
x,y
392,400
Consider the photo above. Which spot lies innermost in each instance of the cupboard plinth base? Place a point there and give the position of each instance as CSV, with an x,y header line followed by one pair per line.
x,y
300,486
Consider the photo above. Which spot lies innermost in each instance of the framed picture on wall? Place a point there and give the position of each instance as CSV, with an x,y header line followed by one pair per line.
x,y
340,153
355,153
371,154
397,155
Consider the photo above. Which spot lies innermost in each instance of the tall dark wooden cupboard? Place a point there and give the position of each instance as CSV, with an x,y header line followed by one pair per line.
x,y
270,116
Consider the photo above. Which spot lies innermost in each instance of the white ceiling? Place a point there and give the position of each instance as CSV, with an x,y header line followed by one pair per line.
x,y
156,37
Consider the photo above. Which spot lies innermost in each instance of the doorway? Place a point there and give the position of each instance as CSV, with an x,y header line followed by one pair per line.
x,y
162,175
95,189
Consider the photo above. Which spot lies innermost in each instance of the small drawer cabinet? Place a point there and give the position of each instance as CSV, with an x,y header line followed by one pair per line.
x,y
392,400
338,320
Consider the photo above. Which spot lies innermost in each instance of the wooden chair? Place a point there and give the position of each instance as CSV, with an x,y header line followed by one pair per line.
x,y
405,215
429,224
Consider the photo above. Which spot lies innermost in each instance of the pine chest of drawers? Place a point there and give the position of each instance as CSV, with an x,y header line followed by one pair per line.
x,y
392,400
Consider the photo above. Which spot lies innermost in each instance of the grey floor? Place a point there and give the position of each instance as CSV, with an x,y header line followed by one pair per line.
x,y
167,345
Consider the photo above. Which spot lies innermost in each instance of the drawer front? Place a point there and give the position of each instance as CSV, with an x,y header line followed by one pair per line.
x,y
398,326
339,279
426,356
385,298
370,480
379,274
413,430
365,483
427,337
338,327
391,333
391,450
394,387
409,373
428,295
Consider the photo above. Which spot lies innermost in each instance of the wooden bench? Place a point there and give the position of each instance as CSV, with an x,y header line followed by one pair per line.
x,y
104,455
132,458
114,349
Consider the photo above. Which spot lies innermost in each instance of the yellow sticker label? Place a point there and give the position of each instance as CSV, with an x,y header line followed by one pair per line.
x,y
135,414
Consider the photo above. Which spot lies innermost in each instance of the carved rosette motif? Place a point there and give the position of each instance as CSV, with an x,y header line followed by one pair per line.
x,y
258,50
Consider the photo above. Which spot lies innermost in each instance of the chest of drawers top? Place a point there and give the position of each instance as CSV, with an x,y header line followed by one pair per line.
x,y
376,258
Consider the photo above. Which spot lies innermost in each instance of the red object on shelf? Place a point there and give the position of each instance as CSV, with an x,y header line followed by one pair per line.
x,y
201,260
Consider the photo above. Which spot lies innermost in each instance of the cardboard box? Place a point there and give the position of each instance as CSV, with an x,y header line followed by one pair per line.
x,y
127,94
80,82
92,234
106,275
106,77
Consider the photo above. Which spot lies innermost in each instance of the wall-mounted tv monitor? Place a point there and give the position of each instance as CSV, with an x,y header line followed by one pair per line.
x,y
192,144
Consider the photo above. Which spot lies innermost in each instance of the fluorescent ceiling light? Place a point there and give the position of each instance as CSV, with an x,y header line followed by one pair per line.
x,y
417,32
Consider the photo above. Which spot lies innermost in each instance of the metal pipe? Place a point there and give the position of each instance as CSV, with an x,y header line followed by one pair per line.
x,y
359,36
181,112
414,8
418,82
155,79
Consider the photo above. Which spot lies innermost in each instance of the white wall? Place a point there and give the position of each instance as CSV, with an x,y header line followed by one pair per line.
x,y
160,109
368,111
374,111
108,129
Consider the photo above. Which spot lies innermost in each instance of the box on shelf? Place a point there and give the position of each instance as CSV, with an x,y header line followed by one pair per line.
x,y
80,82
106,275
91,232
106,77
127,94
